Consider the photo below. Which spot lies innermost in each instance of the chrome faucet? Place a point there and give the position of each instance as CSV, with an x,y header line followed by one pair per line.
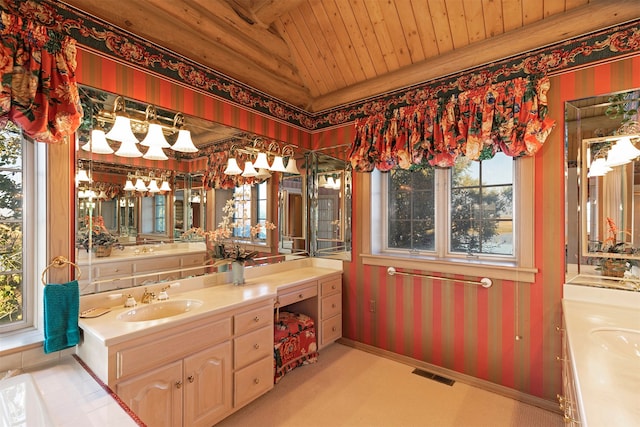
x,y
147,297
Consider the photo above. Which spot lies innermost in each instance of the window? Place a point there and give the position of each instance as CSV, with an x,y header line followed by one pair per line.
x,y
446,220
477,209
154,214
250,208
14,295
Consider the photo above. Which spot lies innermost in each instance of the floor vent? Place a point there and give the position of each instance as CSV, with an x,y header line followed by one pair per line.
x,y
434,377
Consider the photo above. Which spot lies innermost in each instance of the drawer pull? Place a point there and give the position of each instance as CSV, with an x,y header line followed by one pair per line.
x,y
191,378
256,380
333,306
560,359
333,287
300,296
178,384
333,329
256,319
256,346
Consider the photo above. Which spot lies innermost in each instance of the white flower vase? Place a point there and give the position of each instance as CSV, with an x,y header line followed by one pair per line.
x,y
237,272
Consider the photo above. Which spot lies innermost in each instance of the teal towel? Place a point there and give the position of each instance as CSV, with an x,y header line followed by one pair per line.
x,y
61,306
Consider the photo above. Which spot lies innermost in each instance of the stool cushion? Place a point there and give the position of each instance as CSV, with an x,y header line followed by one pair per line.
x,y
294,342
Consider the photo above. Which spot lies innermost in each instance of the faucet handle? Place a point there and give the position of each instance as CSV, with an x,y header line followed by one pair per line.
x,y
130,302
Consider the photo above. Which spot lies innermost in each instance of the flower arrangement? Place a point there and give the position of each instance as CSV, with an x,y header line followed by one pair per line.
x,y
221,243
610,266
99,234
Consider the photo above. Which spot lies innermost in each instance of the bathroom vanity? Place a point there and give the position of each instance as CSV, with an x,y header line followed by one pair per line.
x,y
601,356
207,351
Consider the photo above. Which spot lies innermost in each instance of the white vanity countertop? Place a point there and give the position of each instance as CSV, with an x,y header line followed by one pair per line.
x,y
151,251
219,298
607,381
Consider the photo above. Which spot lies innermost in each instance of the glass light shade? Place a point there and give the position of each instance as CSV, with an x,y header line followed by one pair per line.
x,y
261,162
121,130
155,137
292,167
278,165
249,170
232,167
128,149
98,143
165,186
322,181
337,184
82,176
263,173
129,186
140,185
598,168
155,153
626,148
153,186
616,157
184,144
331,183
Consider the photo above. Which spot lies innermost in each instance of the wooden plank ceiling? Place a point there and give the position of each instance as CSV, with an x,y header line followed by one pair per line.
x,y
321,54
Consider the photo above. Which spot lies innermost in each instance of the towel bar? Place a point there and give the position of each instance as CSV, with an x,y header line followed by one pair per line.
x,y
59,262
485,282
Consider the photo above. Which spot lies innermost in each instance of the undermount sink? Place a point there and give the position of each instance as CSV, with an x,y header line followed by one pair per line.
x,y
159,310
619,341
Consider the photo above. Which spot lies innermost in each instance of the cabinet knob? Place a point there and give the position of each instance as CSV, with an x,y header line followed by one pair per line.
x,y
333,329
178,384
191,378
333,306
256,380
560,359
333,286
256,346
256,319
300,296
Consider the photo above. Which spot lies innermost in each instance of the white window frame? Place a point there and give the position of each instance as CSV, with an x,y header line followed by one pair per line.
x,y
519,268
34,230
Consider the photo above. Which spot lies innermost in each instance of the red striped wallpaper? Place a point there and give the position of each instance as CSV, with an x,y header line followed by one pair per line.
x,y
466,329
462,328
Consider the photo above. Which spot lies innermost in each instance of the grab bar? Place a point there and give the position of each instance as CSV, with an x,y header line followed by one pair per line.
x,y
485,282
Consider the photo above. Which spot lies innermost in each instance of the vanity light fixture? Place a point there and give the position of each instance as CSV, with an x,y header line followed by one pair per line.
x,y
155,153
183,144
165,186
278,165
155,135
262,162
140,185
121,130
82,175
98,143
153,187
263,174
598,168
249,170
232,167
129,186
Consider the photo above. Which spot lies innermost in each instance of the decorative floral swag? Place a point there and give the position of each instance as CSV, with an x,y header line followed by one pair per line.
x,y
38,84
508,116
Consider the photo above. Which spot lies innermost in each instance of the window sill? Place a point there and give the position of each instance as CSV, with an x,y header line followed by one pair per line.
x,y
19,341
473,268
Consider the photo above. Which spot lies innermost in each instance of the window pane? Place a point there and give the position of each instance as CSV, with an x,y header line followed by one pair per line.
x,y
11,226
481,210
411,216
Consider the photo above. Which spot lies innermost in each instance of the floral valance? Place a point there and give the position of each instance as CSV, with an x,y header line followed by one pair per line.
x,y
37,74
508,116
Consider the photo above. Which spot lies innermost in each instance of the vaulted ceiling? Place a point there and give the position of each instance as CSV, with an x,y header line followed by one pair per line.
x,y
321,54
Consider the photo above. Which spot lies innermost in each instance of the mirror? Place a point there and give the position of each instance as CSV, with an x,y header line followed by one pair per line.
x,y
330,207
603,184
145,207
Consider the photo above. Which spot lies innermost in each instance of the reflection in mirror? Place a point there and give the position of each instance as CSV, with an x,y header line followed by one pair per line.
x,y
330,207
603,183
292,214
134,213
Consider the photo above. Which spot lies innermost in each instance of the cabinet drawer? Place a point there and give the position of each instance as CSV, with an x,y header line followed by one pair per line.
x,y
253,346
331,286
331,305
253,381
298,294
331,329
253,319
143,357
193,260
164,263
117,269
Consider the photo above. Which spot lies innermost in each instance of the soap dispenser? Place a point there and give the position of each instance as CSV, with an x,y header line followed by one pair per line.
x,y
130,302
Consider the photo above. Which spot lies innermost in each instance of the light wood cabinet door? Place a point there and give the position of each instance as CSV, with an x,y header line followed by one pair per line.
x,y
208,388
156,397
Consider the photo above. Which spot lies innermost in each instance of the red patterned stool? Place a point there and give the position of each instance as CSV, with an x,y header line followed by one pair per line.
x,y
294,342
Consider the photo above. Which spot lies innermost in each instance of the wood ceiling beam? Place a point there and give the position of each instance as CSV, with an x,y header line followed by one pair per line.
x,y
596,15
263,12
